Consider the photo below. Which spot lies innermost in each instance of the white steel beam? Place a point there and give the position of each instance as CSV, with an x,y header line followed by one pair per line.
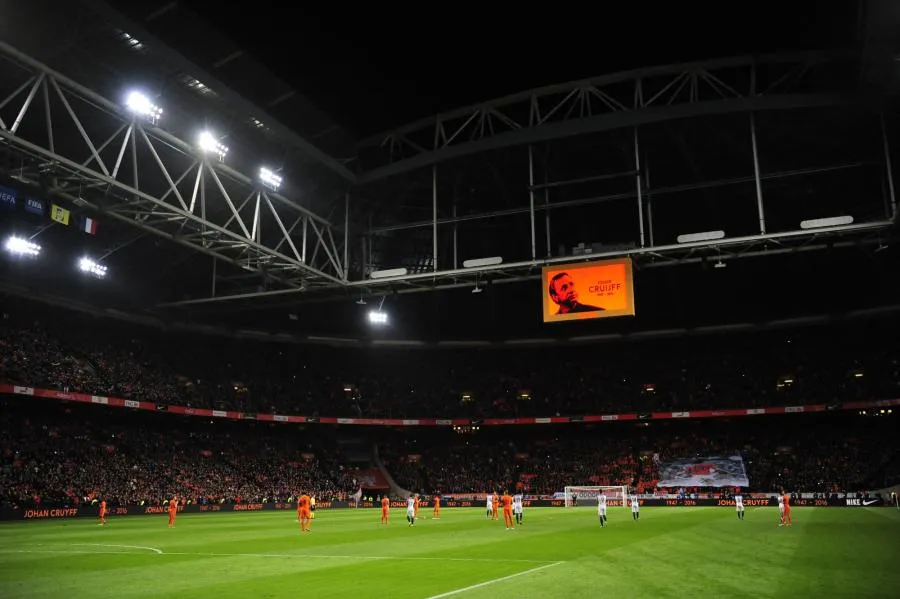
x,y
621,100
170,187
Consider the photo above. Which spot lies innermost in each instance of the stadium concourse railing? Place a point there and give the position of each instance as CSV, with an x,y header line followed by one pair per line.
x,y
117,402
93,511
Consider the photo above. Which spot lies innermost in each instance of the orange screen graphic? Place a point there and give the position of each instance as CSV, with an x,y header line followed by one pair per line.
x,y
584,291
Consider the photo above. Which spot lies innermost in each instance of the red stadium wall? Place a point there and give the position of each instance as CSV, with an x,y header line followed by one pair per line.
x,y
181,410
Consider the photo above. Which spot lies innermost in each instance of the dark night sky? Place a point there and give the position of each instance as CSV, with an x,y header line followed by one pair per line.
x,y
373,68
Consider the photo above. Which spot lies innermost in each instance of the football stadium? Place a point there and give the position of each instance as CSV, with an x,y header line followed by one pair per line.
x,y
357,302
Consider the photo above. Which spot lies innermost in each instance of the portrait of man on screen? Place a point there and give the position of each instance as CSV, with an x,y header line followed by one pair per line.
x,y
564,294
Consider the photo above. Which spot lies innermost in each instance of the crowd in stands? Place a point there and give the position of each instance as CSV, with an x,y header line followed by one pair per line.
x,y
811,454
63,350
58,454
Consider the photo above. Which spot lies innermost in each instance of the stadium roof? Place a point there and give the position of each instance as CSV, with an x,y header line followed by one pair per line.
x,y
315,109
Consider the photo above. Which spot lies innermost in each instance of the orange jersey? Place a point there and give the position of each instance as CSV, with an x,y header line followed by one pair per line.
x,y
102,507
416,504
303,502
787,501
173,505
385,504
496,501
437,501
507,502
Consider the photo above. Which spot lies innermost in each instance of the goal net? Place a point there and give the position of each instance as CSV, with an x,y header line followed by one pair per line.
x,y
587,496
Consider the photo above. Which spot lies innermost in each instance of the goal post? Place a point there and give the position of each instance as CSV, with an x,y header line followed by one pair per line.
x,y
587,495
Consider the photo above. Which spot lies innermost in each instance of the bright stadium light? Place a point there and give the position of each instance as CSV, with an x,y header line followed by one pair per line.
x,y
269,178
378,317
141,105
22,247
92,268
208,143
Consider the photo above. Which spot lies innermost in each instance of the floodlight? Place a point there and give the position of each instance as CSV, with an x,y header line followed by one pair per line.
x,y
378,317
22,247
141,105
269,178
92,268
209,143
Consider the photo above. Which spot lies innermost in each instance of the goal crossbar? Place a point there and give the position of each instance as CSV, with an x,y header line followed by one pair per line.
x,y
587,495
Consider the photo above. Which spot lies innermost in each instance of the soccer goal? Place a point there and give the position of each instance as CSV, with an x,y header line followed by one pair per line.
x,y
587,496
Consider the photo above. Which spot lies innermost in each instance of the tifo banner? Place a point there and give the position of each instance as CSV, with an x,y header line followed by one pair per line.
x,y
593,290
704,472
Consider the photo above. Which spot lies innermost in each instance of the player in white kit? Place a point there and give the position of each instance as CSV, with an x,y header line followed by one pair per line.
x,y
411,510
601,509
739,505
635,508
490,505
517,508
781,508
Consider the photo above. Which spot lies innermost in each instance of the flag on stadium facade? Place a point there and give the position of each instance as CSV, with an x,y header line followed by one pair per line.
x,y
35,206
89,226
7,198
59,214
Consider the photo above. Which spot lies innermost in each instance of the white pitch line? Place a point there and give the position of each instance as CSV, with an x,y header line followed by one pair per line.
x,y
153,549
493,581
364,557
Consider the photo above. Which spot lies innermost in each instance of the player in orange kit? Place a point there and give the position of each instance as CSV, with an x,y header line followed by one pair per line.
x,y
416,507
495,507
303,507
786,518
507,510
437,507
385,509
102,512
173,510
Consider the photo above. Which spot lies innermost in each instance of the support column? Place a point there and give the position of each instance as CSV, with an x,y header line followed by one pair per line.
x,y
212,292
759,198
434,215
346,234
303,250
637,184
888,167
530,200
455,240
649,202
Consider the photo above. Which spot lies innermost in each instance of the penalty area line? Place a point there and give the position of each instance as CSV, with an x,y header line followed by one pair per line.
x,y
494,581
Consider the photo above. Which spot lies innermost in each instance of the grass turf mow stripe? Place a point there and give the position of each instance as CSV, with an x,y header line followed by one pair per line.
x,y
669,552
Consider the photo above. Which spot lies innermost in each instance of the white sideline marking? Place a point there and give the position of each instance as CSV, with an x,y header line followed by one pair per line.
x,y
153,549
281,555
493,581
362,557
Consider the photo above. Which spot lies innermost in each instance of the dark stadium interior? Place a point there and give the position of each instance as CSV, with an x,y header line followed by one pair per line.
x,y
260,259
771,321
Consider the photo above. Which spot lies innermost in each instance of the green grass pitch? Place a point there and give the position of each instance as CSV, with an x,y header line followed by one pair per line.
x,y
670,552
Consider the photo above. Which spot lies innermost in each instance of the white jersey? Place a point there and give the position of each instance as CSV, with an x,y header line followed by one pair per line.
x,y
601,504
490,502
517,504
739,502
410,505
635,504
781,503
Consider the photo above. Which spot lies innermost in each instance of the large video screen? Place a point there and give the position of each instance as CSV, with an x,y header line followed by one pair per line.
x,y
590,290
